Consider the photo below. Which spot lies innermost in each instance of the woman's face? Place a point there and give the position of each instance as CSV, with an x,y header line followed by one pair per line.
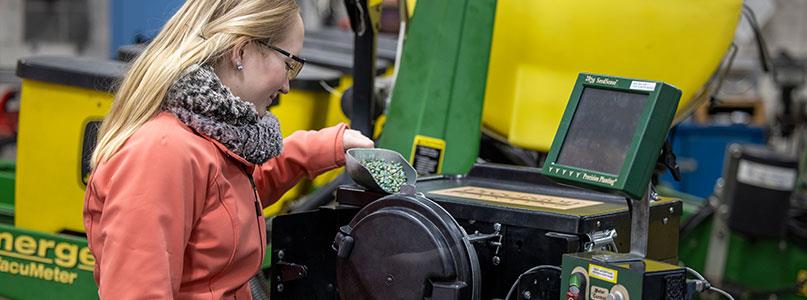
x,y
264,74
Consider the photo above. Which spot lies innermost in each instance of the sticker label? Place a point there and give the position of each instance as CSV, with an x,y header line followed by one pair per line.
x,y
517,198
765,176
598,293
427,155
602,273
643,85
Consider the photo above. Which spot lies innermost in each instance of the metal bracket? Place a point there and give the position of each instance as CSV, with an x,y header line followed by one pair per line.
x,y
640,222
478,237
600,240
718,247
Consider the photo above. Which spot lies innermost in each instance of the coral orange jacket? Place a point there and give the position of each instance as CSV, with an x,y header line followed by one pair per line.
x,y
173,214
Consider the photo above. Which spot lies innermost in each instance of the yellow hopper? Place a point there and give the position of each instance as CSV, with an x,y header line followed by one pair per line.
x,y
539,47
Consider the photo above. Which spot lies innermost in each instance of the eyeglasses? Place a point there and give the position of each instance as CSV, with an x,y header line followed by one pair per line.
x,y
294,66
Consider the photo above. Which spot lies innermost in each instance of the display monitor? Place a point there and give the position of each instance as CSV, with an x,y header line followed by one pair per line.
x,y
611,133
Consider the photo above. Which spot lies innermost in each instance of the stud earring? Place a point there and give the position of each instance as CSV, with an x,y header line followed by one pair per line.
x,y
239,67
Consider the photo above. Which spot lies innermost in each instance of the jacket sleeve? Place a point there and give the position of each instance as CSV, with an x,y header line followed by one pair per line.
x,y
151,203
305,153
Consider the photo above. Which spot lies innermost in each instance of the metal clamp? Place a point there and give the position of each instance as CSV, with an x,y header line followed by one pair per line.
x,y
478,237
600,240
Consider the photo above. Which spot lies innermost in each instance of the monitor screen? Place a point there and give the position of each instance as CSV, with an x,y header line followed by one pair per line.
x,y
601,130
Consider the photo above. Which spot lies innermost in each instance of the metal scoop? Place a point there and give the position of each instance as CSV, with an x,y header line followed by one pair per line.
x,y
359,173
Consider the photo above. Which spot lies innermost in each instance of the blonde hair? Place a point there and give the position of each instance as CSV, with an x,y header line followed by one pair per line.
x,y
200,32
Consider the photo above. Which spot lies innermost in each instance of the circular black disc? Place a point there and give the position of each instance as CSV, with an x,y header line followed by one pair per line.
x,y
402,246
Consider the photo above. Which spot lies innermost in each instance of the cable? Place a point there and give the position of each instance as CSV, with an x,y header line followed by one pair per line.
x,y
530,271
705,283
702,284
695,273
764,54
331,90
722,292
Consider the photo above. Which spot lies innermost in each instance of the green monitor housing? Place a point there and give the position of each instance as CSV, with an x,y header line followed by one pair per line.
x,y
611,133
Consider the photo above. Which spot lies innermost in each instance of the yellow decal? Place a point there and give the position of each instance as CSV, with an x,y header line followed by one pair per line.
x,y
43,259
602,273
516,198
427,155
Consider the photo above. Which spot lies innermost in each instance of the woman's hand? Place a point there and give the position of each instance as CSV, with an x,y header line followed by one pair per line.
x,y
354,139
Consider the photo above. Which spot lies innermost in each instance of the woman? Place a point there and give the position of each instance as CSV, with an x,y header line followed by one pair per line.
x,y
188,155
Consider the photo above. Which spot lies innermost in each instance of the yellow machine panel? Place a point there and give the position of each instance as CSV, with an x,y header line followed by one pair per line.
x,y
49,184
56,119
539,47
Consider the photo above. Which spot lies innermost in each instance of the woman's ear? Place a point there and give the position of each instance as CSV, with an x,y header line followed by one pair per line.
x,y
237,55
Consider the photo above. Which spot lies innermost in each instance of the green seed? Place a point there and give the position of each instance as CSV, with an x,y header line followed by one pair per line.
x,y
388,175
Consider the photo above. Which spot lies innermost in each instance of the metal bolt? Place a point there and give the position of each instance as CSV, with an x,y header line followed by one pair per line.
x,y
527,295
280,287
665,220
599,224
496,260
280,254
329,287
388,280
497,226
672,210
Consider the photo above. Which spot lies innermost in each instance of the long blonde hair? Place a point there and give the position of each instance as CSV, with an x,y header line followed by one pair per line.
x,y
200,32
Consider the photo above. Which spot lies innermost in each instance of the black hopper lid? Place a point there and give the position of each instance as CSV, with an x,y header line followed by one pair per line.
x,y
405,247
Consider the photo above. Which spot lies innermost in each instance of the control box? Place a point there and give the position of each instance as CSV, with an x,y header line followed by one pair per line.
x,y
600,275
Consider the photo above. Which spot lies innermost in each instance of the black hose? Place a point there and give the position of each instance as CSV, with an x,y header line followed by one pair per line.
x,y
762,46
